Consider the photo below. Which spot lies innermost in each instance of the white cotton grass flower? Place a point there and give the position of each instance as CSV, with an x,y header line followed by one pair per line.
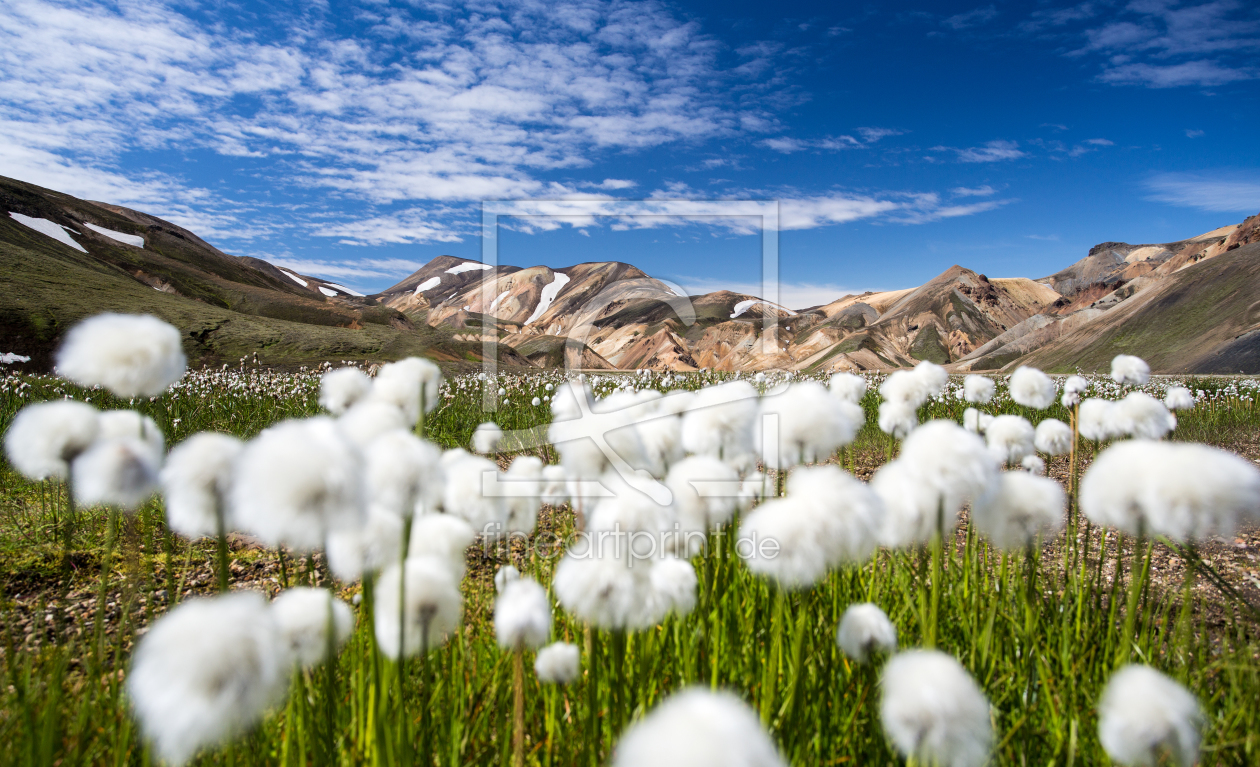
x,y
116,472
522,615
701,486
934,711
464,495
916,386
558,663
132,355
341,388
752,489
865,630
45,437
674,582
628,510
403,474
1032,388
719,420
848,387
1145,717
978,389
1127,369
366,421
1141,415
910,509
432,607
827,519
976,421
403,384
846,510
971,420
554,485
1010,438
1073,388
777,540
195,483
1021,508
1179,398
1033,464
486,438
577,437
523,481
698,728
1053,437
1097,421
205,673
897,418
661,436
297,481
128,424
602,586
1184,491
445,537
370,548
505,575
303,618
809,424
941,467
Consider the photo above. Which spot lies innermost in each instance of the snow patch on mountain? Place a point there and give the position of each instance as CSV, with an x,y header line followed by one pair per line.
x,y
49,228
495,304
326,291
467,266
549,294
295,278
744,306
345,290
428,284
133,240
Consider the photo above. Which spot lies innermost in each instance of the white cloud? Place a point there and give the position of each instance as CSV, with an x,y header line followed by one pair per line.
x,y
366,269
972,18
411,226
992,151
1215,193
788,145
1201,73
463,104
813,212
871,135
616,183
978,191
1159,44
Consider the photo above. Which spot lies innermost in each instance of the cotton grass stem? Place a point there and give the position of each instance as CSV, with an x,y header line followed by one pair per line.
x,y
102,592
221,536
592,696
1138,572
518,706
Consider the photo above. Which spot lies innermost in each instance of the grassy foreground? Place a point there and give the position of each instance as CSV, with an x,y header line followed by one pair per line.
x,y
1040,633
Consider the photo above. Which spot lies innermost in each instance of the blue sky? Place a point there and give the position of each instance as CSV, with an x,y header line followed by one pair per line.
x,y
355,140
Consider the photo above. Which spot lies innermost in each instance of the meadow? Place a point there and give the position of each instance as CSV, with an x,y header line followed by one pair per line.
x,y
1040,631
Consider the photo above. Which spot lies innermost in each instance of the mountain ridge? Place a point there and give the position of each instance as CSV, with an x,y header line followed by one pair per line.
x,y
64,258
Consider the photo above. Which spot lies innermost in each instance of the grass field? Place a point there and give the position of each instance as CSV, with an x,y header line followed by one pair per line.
x,y
1039,632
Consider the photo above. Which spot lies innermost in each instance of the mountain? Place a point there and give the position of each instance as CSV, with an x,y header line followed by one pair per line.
x,y
1187,306
62,259
1191,306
